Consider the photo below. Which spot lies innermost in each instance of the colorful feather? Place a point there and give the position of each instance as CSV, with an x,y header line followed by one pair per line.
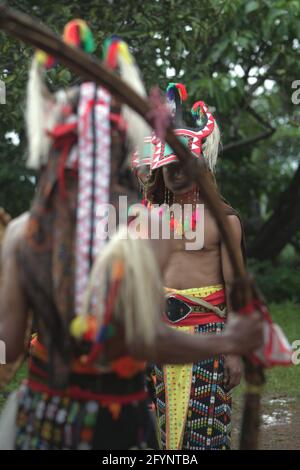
x,y
178,89
44,59
78,34
198,112
113,48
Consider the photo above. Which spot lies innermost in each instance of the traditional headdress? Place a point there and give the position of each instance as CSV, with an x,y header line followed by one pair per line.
x,y
117,56
78,34
203,140
144,159
95,117
83,131
120,251
210,133
176,94
43,110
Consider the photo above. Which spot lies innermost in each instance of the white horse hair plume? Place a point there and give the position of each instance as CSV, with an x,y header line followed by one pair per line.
x,y
43,110
211,147
137,128
140,297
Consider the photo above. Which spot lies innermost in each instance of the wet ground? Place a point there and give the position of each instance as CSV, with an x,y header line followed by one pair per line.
x,y
280,425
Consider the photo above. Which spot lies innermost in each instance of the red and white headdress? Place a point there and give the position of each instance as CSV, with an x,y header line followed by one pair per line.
x,y
193,138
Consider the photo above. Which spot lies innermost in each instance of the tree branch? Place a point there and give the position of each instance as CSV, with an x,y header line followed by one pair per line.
x,y
260,119
250,141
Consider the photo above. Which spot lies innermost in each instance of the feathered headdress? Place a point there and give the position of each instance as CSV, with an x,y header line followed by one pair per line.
x,y
42,108
203,140
78,34
211,144
176,94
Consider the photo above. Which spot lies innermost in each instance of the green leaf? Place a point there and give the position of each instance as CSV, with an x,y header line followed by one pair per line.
x,y
251,6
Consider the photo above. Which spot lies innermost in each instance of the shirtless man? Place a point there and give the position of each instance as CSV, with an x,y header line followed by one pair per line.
x,y
38,275
193,401
242,335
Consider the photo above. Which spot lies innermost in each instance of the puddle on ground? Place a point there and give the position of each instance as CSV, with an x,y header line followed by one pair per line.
x,y
280,423
280,413
276,418
281,401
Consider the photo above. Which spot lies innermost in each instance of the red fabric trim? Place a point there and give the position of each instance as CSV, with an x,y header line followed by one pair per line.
x,y
119,120
36,370
65,136
77,393
62,130
38,350
247,309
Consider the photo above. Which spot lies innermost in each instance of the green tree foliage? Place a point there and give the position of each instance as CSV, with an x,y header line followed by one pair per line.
x,y
240,57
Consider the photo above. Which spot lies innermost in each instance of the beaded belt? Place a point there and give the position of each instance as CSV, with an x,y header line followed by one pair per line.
x,y
188,310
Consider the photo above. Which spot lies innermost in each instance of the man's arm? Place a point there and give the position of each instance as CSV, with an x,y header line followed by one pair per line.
x,y
242,336
233,364
13,304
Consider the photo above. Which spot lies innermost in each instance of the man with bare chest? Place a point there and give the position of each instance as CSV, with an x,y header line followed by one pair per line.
x,y
85,384
193,402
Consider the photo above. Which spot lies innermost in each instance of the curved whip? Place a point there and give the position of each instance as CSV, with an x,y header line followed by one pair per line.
x,y
23,27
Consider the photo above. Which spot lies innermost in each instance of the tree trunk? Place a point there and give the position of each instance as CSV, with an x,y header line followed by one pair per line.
x,y
281,226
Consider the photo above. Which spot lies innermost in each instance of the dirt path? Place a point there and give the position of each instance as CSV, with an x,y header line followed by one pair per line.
x,y
280,429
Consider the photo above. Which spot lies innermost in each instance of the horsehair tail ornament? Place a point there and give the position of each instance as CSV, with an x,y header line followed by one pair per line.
x,y
116,56
23,27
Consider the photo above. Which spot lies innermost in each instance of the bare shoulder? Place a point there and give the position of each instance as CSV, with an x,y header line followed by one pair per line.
x,y
16,226
13,233
235,225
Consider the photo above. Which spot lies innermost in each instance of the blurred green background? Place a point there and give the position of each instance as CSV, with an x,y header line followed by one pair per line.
x,y
240,57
